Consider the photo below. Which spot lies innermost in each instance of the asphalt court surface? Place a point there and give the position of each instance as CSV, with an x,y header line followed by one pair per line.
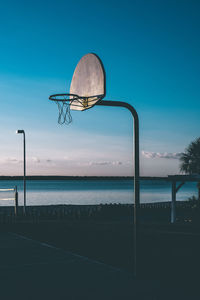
x,y
33,270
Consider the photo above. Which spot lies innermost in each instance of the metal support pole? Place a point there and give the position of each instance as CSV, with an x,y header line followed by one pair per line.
x,y
24,173
16,201
136,171
173,203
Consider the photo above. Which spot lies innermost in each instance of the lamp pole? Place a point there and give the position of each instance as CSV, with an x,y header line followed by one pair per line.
x,y
24,139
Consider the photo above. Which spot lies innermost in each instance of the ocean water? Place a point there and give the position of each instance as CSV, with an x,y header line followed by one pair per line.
x,y
45,192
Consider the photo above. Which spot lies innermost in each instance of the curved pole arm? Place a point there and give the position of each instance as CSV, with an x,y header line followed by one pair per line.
x,y
120,104
136,145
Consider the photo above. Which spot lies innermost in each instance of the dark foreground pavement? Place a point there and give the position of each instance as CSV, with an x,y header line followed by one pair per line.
x,y
34,270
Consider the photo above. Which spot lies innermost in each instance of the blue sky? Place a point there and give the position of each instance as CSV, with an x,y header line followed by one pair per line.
x,y
150,51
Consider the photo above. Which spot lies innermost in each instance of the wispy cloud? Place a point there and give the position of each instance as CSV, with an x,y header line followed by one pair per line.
x,y
48,160
43,161
36,159
104,163
12,160
167,155
30,160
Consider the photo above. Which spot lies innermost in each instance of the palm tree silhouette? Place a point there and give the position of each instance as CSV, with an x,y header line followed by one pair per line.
x,y
190,161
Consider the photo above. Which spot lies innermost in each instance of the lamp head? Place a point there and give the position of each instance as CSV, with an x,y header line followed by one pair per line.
x,y
20,131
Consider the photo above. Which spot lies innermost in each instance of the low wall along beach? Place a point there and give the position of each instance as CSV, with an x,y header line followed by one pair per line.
x,y
187,211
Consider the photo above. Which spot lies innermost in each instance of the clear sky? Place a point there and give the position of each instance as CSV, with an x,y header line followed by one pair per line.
x,y
150,51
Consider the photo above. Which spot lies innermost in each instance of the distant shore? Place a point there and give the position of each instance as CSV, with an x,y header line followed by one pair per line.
x,y
55,177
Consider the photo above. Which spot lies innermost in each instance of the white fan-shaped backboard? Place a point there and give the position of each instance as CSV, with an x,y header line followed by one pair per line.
x,y
88,82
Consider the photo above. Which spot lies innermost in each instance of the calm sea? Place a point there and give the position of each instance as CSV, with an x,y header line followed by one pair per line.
x,y
44,192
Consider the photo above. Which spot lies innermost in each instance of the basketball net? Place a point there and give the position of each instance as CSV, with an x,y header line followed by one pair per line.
x,y
64,116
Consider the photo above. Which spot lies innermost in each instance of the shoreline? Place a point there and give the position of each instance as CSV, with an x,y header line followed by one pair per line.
x,y
55,177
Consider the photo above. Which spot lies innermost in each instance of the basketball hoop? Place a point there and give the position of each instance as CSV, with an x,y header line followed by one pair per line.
x,y
86,89
68,102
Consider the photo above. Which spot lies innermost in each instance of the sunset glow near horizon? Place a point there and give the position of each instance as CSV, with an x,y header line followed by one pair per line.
x,y
150,51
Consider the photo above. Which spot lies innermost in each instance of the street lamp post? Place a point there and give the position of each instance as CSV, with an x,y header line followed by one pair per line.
x,y
23,132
